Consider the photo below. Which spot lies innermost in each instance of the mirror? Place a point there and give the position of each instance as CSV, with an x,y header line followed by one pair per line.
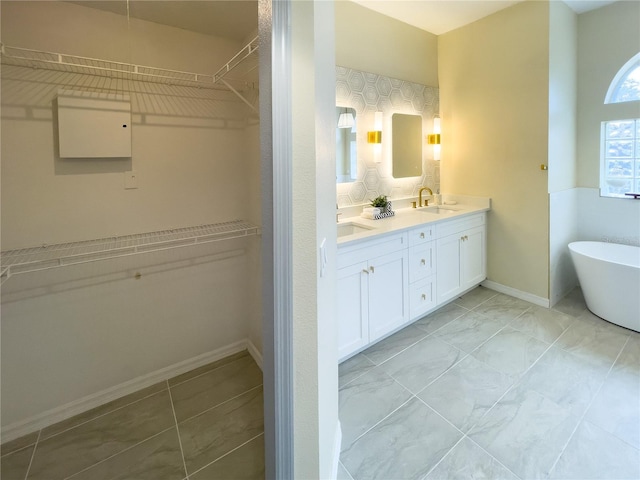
x,y
406,131
346,155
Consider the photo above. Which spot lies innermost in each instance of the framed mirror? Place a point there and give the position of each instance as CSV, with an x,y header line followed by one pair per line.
x,y
346,149
406,131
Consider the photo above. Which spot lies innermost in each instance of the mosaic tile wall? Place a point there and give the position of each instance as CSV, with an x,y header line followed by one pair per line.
x,y
367,93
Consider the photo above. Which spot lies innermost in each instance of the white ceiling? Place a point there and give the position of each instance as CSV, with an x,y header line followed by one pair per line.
x,y
237,19
441,16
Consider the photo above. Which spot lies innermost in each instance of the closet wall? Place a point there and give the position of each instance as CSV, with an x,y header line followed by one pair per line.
x,y
75,336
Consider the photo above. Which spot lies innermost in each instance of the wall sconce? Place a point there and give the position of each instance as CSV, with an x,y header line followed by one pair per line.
x,y
375,137
434,138
346,120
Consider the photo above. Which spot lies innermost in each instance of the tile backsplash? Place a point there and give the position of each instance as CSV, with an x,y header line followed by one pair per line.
x,y
368,93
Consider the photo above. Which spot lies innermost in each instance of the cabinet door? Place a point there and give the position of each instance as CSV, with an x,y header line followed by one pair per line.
x,y
448,280
352,308
473,263
388,293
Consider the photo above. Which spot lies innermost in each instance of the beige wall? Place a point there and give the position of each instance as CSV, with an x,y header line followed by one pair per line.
x,y
607,38
372,42
494,100
73,332
186,157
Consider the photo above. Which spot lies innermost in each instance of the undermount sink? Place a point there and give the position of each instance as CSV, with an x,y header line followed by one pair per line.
x,y
438,210
352,228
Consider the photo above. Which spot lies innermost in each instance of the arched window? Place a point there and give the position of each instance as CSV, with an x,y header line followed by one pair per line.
x,y
625,86
620,145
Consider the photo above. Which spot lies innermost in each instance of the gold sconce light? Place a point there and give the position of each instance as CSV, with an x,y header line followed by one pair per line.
x,y
375,137
434,138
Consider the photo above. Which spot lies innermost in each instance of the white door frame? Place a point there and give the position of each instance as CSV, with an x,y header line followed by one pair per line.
x,y
277,227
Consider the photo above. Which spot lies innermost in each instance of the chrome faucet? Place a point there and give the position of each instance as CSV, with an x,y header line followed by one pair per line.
x,y
426,201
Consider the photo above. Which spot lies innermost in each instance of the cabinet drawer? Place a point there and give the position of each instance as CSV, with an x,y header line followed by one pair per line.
x,y
422,297
455,226
421,261
371,248
421,235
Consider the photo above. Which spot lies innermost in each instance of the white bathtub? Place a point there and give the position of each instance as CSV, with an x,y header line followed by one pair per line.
x,y
609,275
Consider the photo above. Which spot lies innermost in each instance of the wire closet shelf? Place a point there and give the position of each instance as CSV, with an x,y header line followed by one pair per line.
x,y
27,260
240,67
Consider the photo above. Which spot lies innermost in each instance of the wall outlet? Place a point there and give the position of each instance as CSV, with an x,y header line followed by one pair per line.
x,y
130,180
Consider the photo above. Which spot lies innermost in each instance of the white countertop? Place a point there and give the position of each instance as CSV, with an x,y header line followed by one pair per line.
x,y
407,218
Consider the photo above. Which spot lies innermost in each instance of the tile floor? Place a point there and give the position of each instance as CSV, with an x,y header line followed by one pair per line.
x,y
493,387
487,387
203,425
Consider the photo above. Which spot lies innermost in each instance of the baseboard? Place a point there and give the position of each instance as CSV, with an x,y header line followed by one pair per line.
x,y
49,417
255,353
529,297
337,446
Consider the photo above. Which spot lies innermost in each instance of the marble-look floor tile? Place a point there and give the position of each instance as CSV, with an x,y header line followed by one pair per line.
x,y
217,431
440,317
353,368
466,392
565,379
628,362
573,304
391,346
74,450
422,363
343,474
194,396
469,331
18,443
511,352
526,432
475,297
13,466
468,461
196,372
594,454
594,340
503,307
542,323
616,408
367,400
244,463
101,410
156,458
405,445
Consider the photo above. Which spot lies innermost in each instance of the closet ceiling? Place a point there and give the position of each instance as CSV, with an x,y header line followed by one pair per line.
x,y
234,19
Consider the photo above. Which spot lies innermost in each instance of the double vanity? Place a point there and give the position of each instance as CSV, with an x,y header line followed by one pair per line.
x,y
393,271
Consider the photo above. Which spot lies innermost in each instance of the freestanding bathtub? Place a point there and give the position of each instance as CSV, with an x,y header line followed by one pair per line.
x,y
609,275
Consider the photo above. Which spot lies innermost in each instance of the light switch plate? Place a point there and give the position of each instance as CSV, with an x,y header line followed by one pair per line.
x,y
130,180
323,257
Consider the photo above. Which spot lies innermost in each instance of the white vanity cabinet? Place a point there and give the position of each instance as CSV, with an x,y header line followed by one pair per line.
x,y
373,279
461,256
387,281
422,269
